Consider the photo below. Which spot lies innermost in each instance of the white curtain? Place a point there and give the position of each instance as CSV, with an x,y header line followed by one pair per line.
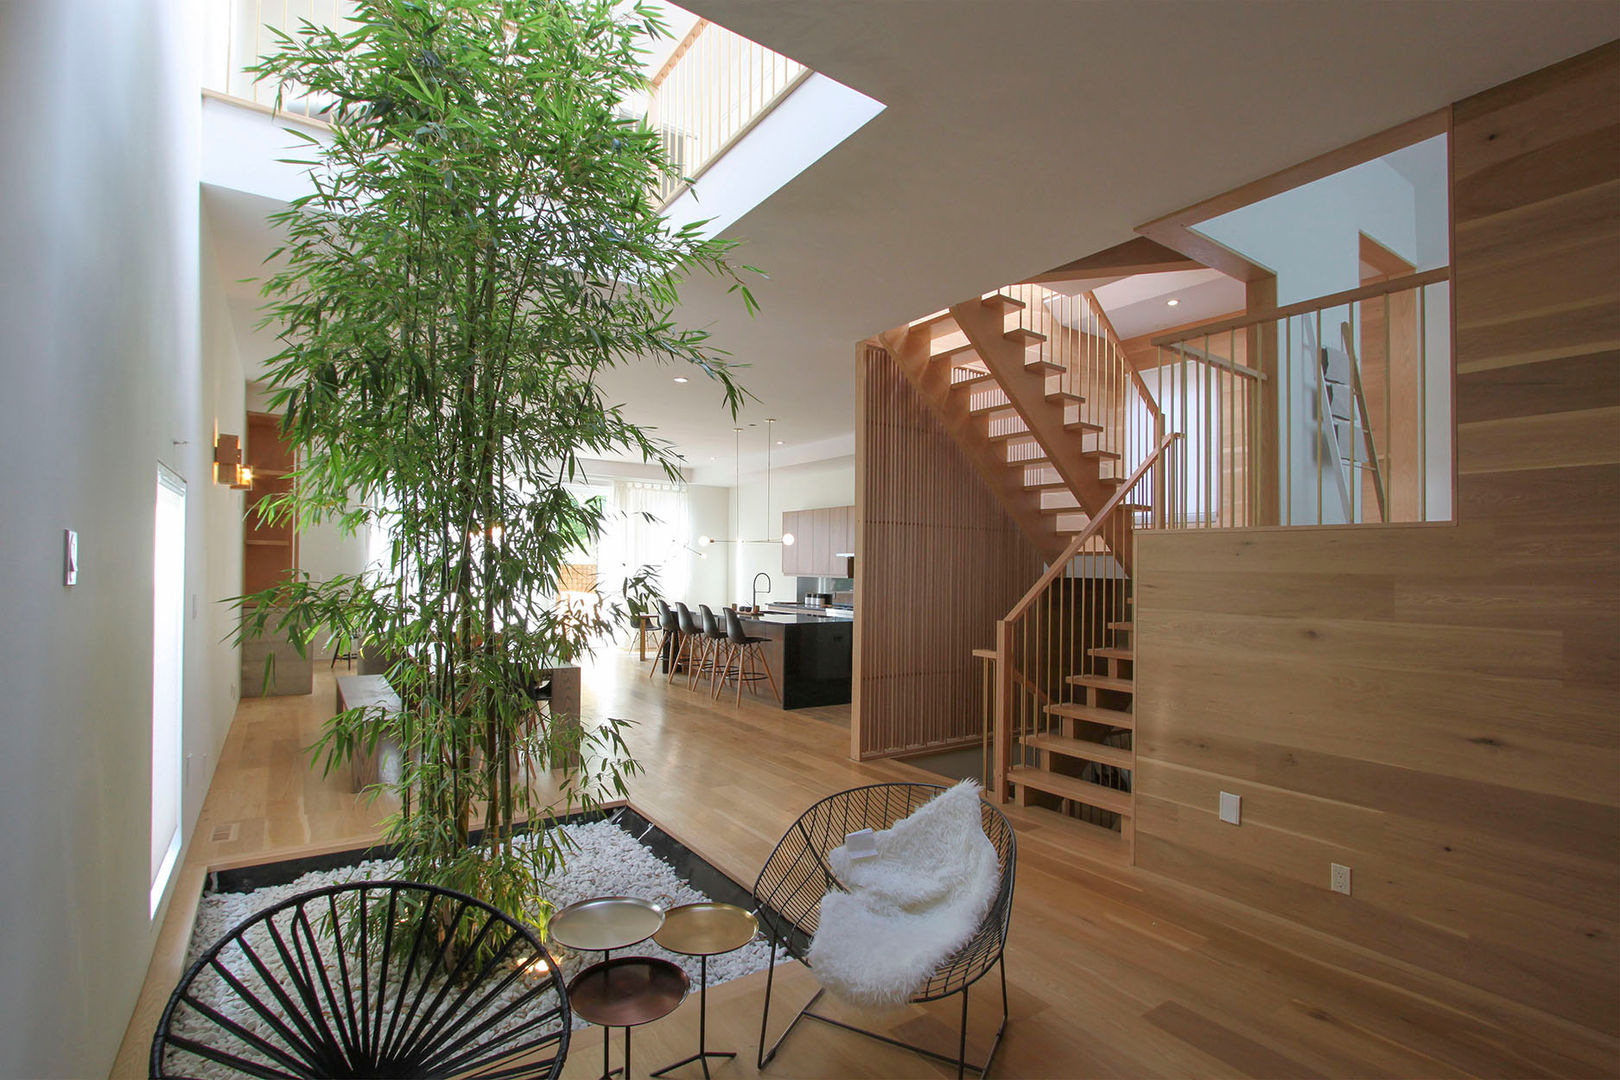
x,y
650,526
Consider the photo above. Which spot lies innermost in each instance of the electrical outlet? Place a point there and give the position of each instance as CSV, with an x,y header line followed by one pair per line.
x,y
1339,881
1231,808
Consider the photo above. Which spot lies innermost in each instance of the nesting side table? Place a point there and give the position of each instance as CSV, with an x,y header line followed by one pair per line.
x,y
703,930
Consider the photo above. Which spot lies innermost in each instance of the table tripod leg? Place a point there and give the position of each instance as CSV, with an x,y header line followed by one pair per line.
x,y
704,1053
627,1053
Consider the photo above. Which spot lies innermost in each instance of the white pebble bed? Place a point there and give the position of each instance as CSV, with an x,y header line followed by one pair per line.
x,y
605,861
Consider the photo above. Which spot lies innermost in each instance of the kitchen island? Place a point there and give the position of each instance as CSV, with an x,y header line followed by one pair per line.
x,y
811,655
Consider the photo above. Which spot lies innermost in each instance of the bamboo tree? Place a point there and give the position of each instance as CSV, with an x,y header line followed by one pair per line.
x,y
481,244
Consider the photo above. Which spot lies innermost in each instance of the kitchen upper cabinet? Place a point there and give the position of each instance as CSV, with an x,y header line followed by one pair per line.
x,y
819,535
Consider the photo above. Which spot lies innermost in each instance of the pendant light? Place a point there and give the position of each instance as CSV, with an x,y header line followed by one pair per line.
x,y
787,539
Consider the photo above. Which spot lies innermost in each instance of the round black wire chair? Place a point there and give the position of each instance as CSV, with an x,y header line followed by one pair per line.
x,y
796,877
355,980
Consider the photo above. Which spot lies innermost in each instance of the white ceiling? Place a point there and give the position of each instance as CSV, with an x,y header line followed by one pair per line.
x,y
1022,134
1140,304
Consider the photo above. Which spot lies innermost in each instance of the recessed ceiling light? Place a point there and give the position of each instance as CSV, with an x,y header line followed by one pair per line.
x,y
1172,303
779,442
680,378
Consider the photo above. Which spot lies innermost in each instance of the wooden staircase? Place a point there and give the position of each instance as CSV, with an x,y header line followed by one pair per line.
x,y
1087,758
1036,391
999,394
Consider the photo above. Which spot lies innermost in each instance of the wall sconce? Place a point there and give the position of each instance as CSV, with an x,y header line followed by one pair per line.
x,y
227,459
228,467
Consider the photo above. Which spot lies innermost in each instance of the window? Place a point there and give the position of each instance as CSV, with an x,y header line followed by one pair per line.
x,y
168,667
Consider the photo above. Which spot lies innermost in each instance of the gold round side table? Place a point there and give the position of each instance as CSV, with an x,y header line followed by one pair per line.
x,y
704,930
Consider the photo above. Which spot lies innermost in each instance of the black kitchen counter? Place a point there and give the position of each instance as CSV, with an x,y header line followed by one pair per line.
x,y
812,656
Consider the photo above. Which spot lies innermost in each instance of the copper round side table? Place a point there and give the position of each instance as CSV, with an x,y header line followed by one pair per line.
x,y
626,992
602,924
704,930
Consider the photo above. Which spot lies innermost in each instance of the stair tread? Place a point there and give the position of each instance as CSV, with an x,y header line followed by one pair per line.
x,y
971,379
986,654
1113,652
1082,425
1043,365
1064,510
1069,787
953,352
988,407
1082,837
1100,454
1128,625
1015,433
1102,682
1011,303
1024,334
1094,713
1086,749
1068,397
1047,485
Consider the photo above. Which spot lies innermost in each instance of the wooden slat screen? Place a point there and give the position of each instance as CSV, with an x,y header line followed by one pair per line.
x,y
937,562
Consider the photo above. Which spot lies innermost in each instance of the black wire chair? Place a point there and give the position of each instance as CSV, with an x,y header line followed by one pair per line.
x,y
796,877
314,987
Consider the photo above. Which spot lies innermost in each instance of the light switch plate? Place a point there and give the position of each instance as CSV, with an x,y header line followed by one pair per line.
x,y
1339,878
1231,808
70,557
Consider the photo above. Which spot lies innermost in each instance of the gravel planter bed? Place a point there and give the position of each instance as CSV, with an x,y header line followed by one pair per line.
x,y
607,860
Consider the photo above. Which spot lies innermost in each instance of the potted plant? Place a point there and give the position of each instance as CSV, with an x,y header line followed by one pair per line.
x,y
482,244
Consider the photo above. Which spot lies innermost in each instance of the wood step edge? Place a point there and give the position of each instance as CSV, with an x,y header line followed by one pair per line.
x,y
1101,753
1073,835
1069,787
1095,714
1102,682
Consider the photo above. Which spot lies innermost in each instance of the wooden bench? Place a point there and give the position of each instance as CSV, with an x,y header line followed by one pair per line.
x,y
381,764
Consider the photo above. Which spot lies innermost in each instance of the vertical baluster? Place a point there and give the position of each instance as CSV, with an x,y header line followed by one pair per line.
x,y
1387,467
1285,441
1423,403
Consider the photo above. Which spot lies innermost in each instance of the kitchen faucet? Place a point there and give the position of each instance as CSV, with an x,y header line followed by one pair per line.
x,y
767,577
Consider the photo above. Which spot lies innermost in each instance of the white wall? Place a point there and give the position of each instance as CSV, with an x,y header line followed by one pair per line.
x,y
1310,237
710,511
104,378
792,487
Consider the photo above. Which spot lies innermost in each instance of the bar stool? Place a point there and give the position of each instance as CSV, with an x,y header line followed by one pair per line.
x,y
690,640
668,628
714,640
745,651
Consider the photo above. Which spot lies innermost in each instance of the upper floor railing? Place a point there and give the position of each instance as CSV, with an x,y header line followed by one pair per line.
x,y
710,92
241,32
1330,411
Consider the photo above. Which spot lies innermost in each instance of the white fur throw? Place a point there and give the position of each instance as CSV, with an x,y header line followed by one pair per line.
x,y
910,907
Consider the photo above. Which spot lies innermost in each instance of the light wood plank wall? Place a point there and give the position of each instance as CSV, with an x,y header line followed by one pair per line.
x,y
1435,706
937,562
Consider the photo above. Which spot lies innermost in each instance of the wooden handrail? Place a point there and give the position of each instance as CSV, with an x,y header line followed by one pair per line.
x,y
1054,571
1136,376
678,52
1203,356
1321,303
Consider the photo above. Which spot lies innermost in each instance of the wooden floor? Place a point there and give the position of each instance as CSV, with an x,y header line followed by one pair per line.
x,y
1113,972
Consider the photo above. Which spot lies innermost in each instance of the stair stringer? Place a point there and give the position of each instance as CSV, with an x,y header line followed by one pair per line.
x,y
932,381
1026,393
